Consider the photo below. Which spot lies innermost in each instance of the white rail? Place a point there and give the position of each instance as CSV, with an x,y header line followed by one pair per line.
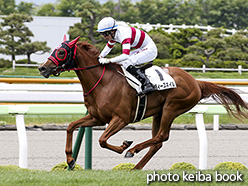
x,y
174,28
204,69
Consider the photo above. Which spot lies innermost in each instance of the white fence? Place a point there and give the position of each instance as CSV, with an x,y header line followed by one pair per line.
x,y
204,69
38,93
174,28
14,65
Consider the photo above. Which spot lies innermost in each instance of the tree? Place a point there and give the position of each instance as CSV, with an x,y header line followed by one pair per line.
x,y
187,37
25,8
31,48
48,9
7,7
15,37
238,40
188,12
208,47
148,11
69,8
228,13
91,13
14,33
128,12
237,47
163,43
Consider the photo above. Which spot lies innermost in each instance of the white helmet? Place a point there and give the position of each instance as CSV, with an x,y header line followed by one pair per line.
x,y
106,24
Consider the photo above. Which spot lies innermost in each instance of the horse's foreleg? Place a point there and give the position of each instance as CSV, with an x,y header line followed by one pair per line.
x,y
87,121
115,125
153,149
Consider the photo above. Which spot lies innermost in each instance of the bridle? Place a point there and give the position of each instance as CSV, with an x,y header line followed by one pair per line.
x,y
68,62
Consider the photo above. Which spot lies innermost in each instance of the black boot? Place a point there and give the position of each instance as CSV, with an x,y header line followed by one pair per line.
x,y
146,84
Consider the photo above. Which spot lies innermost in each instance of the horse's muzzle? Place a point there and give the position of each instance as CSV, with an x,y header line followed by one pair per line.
x,y
44,71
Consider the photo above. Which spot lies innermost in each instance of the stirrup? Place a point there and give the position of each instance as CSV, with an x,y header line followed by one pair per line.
x,y
146,89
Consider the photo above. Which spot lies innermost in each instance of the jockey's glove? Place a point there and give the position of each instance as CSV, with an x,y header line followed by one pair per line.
x,y
104,60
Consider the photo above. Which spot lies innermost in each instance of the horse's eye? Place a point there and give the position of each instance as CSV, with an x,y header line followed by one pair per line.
x,y
61,52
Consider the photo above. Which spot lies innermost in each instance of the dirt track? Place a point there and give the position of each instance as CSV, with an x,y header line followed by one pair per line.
x,y
46,149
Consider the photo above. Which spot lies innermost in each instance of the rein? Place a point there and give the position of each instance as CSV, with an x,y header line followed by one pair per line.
x,y
85,94
67,63
83,68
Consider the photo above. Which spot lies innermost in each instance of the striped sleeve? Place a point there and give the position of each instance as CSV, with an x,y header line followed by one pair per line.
x,y
126,46
107,48
111,43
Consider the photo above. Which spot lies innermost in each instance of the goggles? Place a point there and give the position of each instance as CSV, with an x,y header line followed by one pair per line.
x,y
106,33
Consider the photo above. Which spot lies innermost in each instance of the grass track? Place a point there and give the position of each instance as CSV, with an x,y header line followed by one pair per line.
x,y
66,119
16,176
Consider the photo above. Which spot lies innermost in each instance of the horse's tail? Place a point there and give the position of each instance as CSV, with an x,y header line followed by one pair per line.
x,y
227,97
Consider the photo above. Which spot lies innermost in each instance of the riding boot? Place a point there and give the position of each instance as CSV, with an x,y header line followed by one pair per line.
x,y
146,84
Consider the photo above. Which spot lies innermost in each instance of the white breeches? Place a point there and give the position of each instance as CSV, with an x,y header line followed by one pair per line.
x,y
141,55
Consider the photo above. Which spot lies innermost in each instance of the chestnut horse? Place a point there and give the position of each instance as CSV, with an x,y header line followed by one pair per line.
x,y
110,99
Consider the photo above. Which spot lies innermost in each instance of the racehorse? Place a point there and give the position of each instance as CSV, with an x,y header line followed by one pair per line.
x,y
110,99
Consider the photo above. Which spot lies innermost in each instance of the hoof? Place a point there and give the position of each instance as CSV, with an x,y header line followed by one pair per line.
x,y
129,155
127,143
72,164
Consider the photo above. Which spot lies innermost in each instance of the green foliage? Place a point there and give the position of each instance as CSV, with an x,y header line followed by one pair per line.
x,y
24,61
29,48
68,8
9,167
124,166
63,167
7,7
48,9
163,43
14,33
229,166
182,166
128,12
218,13
4,63
187,36
25,8
16,37
91,13
216,33
177,51
232,54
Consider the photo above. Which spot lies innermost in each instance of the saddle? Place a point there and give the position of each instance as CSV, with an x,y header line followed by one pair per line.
x,y
146,66
159,78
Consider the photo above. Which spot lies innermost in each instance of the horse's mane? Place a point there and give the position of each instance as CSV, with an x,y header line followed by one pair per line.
x,y
91,49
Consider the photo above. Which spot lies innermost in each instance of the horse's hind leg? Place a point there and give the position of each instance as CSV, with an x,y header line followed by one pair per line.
x,y
153,149
162,135
115,125
87,121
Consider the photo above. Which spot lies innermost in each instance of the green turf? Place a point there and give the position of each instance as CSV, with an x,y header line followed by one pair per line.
x,y
66,119
14,176
20,71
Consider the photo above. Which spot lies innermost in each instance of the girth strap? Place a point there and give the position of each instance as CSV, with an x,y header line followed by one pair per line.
x,y
141,108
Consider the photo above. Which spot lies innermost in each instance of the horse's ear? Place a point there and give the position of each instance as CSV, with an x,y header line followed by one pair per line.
x,y
64,39
73,42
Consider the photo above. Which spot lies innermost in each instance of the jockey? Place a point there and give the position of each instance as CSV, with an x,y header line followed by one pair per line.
x,y
129,37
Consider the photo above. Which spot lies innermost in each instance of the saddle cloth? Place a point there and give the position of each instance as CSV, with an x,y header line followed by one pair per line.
x,y
159,78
